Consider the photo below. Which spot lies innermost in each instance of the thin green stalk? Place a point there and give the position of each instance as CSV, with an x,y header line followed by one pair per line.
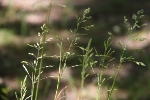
x,y
82,81
114,81
83,74
58,84
99,83
42,52
40,67
116,75
32,90
59,75
85,64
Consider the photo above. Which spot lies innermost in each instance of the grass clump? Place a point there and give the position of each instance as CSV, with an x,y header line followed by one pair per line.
x,y
86,59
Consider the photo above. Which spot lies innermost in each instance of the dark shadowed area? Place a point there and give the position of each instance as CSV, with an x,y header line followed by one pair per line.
x,y
21,20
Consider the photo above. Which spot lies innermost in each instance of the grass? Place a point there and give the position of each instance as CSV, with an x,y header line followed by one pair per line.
x,y
86,59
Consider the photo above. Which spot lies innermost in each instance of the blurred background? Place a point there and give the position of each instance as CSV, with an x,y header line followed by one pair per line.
x,y
20,21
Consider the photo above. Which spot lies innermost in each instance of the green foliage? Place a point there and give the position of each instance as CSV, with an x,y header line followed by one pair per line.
x,y
86,59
